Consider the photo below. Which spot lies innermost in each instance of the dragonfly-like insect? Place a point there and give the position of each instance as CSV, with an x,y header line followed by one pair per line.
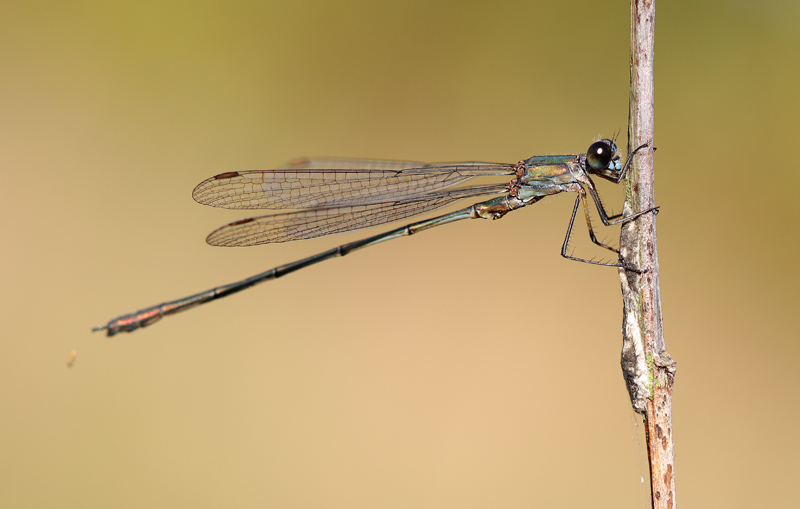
x,y
340,195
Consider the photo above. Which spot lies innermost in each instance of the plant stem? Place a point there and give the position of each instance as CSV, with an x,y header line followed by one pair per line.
x,y
647,366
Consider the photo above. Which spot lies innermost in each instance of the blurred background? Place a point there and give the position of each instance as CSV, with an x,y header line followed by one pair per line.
x,y
469,366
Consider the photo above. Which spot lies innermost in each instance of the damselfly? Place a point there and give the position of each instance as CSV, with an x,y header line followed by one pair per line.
x,y
341,195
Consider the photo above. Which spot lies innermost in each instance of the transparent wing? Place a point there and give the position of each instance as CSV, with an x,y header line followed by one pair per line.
x,y
306,224
306,188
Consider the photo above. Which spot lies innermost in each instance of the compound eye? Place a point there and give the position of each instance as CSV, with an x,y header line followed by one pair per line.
x,y
600,153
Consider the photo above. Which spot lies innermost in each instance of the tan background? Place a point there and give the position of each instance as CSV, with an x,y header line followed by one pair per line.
x,y
469,366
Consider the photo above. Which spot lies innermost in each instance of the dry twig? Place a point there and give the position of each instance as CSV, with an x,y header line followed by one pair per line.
x,y
648,369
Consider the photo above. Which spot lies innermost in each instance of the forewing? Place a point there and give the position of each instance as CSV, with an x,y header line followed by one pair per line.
x,y
305,188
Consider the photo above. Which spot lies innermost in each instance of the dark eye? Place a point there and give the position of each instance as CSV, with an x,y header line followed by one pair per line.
x,y
600,153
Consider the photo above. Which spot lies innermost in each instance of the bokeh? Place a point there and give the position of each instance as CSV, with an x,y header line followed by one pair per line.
x,y
468,366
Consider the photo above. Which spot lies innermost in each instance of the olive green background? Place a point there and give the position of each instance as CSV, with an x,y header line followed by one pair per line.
x,y
468,366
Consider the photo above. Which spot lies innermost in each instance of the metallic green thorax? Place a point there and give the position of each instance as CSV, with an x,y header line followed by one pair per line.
x,y
548,170
546,175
